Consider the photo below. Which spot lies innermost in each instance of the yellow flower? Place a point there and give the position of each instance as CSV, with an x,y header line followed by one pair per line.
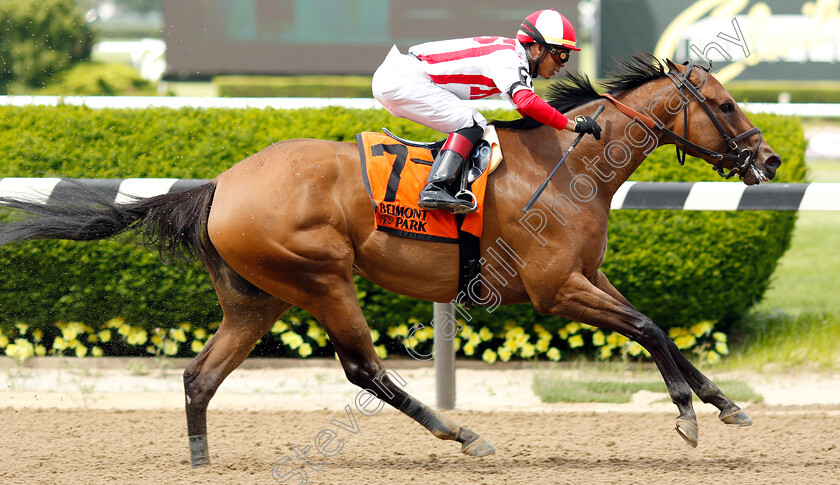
x,y
40,350
469,348
504,354
400,330
71,331
457,343
485,335
157,340
92,338
305,350
563,333
73,343
489,356
425,333
675,332
178,335
598,338
553,354
542,344
4,341
200,333
59,344
635,349
292,339
381,351
21,350
96,352
196,346
719,336
81,351
712,357
115,322
22,328
136,336
702,328
105,336
572,327
185,326
606,352
279,327
374,334
528,351
124,330
466,331
576,341
722,348
612,339
539,329
170,347
685,341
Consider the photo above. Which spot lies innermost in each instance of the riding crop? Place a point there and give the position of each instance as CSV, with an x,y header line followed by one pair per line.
x,y
545,184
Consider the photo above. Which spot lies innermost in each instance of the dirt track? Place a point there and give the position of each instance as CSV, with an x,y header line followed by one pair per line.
x,y
260,415
786,445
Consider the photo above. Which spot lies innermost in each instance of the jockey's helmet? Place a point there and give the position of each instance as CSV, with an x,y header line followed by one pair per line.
x,y
547,28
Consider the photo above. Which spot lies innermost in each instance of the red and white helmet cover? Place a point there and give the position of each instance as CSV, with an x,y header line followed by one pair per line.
x,y
552,25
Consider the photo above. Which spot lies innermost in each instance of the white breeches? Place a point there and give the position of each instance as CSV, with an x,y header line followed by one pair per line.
x,y
406,91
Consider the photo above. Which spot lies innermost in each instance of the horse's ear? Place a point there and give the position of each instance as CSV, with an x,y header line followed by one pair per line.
x,y
671,65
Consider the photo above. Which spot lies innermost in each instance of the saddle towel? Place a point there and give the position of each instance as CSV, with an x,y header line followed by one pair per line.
x,y
394,173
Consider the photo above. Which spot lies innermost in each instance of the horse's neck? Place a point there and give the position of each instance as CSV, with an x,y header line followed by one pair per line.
x,y
625,142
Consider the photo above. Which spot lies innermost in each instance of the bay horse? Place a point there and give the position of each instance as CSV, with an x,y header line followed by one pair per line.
x,y
292,224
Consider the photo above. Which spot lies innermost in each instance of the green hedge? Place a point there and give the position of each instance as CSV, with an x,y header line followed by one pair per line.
x,y
293,86
799,91
39,39
678,267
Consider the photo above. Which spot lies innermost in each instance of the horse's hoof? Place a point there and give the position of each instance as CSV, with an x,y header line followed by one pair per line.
x,y
688,430
478,447
737,419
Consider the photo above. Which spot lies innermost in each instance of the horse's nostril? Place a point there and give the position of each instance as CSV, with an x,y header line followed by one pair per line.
x,y
773,162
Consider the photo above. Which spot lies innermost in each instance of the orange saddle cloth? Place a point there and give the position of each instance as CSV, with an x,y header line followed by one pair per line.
x,y
394,174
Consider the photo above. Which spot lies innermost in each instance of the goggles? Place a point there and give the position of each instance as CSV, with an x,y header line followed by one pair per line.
x,y
561,56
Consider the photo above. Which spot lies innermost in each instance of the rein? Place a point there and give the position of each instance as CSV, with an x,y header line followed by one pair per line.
x,y
742,160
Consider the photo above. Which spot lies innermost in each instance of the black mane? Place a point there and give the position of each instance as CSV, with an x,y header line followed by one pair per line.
x,y
576,89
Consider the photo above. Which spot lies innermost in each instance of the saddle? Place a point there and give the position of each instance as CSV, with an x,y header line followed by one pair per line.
x,y
394,171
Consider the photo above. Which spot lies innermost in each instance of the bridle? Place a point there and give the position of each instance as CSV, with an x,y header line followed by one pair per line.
x,y
742,159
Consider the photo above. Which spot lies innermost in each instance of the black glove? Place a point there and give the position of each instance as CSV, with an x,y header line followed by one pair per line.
x,y
585,124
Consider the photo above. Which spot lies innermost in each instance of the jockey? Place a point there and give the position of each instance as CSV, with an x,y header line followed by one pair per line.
x,y
427,85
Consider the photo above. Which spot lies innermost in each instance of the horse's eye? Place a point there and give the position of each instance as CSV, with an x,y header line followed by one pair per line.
x,y
726,107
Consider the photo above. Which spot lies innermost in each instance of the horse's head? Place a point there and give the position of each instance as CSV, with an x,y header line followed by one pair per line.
x,y
714,128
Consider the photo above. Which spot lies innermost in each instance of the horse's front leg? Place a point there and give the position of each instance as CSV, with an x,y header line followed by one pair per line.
x,y
705,389
579,299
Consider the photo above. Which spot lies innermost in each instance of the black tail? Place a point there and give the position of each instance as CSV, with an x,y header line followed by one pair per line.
x,y
174,224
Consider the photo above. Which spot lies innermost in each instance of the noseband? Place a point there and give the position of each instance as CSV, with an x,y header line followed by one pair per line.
x,y
742,159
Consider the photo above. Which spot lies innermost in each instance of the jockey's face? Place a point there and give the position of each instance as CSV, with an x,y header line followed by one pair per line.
x,y
550,65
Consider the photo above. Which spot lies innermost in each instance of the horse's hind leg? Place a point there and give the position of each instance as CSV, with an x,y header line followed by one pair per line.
x,y
248,314
339,313
706,390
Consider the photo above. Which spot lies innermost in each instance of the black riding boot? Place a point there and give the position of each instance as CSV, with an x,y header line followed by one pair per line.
x,y
445,170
